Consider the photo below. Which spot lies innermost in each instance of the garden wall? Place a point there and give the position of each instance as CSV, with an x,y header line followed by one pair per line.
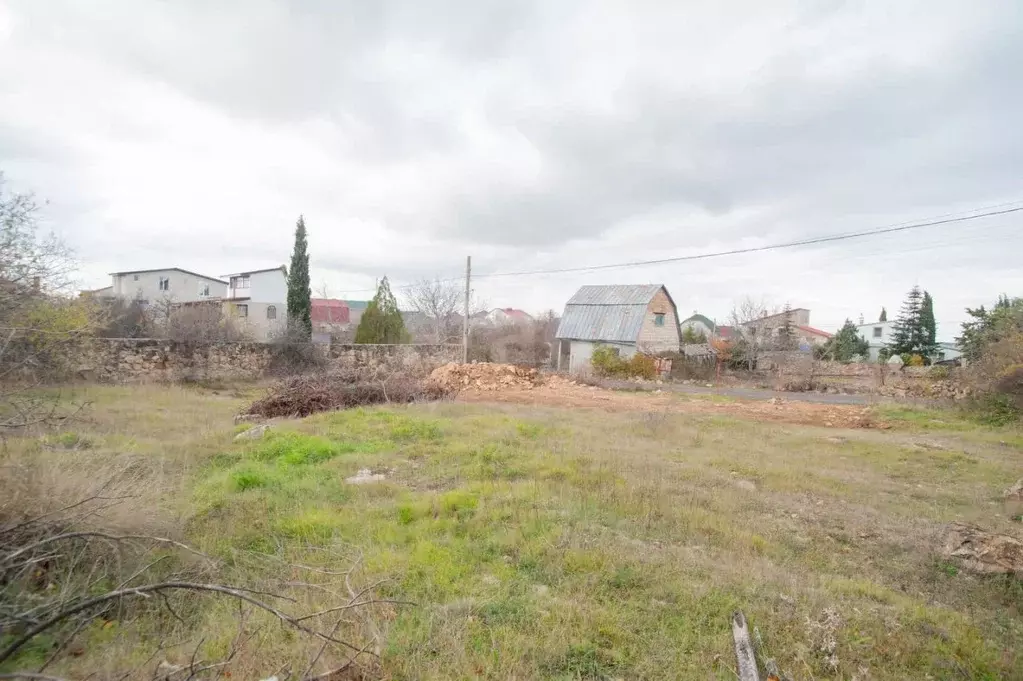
x,y
131,360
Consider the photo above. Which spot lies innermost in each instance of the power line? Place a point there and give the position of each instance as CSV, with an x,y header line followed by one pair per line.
x,y
989,211
757,249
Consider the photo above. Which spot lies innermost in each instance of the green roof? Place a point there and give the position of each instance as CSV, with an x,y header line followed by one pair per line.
x,y
703,320
357,304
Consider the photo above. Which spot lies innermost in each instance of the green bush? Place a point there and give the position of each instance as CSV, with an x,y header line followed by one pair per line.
x,y
995,409
607,361
939,373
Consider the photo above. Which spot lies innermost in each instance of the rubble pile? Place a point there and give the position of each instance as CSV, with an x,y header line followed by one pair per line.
x,y
488,377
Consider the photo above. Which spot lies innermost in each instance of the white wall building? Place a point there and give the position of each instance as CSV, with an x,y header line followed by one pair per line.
x,y
172,284
260,299
877,336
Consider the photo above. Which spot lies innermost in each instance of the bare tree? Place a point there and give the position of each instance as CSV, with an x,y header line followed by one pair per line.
x,y
751,337
439,304
41,323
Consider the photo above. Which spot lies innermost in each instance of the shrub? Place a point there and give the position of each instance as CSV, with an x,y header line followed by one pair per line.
x,y
939,373
912,360
642,366
993,409
607,361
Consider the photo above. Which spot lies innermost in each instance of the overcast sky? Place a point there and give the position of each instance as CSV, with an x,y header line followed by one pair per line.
x,y
532,135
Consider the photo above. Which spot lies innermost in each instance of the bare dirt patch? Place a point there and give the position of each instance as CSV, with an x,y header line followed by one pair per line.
x,y
566,394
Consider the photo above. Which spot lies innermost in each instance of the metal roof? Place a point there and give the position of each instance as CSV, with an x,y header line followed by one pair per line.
x,y
614,295
607,313
168,269
611,323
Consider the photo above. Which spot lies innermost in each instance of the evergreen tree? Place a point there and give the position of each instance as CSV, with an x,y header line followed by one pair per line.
x,y
299,294
884,315
846,345
928,327
990,326
786,334
908,334
691,336
381,321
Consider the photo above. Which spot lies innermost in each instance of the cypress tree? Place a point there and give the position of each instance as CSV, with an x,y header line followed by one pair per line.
x,y
928,327
884,315
299,294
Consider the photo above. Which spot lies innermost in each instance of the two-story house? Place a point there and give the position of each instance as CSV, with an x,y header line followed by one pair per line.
x,y
172,284
877,335
259,299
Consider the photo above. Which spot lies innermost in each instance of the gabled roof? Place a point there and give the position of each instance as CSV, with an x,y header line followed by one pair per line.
x,y
614,295
697,317
168,269
611,314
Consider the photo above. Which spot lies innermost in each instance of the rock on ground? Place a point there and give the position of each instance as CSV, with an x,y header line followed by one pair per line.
x,y
1015,493
983,552
253,433
363,476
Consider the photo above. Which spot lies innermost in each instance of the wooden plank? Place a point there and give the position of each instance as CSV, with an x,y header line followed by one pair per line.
x,y
744,656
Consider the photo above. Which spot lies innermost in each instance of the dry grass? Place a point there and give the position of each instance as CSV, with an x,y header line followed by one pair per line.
x,y
559,543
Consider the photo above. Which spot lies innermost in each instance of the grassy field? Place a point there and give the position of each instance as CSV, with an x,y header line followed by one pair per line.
x,y
572,544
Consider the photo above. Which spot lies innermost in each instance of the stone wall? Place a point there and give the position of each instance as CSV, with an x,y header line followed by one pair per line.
x,y
397,356
130,360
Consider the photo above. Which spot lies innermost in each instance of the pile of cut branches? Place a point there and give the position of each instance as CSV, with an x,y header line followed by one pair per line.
x,y
344,389
62,579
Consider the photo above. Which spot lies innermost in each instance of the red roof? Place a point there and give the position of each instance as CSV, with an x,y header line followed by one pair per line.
x,y
723,331
514,313
816,332
329,311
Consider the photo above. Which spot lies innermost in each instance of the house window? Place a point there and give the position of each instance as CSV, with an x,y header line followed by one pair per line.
x,y
659,319
878,331
204,290
242,310
165,283
240,282
135,277
271,312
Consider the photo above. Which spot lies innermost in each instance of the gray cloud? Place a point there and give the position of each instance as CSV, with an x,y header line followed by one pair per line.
x,y
531,134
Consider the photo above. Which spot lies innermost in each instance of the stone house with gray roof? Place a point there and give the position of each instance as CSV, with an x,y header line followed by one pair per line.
x,y
640,318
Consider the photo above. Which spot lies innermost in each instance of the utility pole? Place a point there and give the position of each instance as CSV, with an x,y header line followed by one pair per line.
x,y
465,321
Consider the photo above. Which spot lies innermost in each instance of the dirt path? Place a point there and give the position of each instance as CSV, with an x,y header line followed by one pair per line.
x,y
746,393
774,409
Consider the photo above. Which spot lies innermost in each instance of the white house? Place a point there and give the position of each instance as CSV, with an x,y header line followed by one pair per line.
x,y
172,284
877,335
260,298
699,324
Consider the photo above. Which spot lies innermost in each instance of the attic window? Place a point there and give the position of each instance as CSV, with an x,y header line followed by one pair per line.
x,y
658,319
165,283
